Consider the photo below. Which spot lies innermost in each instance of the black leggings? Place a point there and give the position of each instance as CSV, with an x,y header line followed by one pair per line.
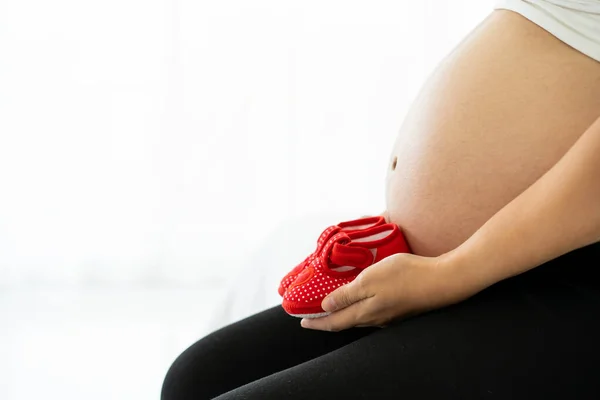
x,y
534,336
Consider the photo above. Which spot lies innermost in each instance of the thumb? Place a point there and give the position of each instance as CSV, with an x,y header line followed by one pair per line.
x,y
343,297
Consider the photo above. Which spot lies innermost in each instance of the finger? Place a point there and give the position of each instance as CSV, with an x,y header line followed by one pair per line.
x,y
344,296
346,318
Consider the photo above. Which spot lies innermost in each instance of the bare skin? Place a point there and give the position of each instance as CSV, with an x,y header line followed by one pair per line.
x,y
497,172
497,113
560,212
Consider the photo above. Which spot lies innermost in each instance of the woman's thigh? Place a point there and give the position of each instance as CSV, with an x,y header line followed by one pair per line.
x,y
534,336
247,350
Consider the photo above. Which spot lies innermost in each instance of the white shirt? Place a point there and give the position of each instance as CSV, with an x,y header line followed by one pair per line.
x,y
575,22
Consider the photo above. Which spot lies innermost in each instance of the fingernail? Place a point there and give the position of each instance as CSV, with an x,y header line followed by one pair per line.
x,y
328,304
304,323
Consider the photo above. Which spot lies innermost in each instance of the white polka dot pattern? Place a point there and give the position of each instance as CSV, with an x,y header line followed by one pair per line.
x,y
293,274
318,283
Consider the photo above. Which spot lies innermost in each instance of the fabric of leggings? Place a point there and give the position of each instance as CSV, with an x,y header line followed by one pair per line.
x,y
533,336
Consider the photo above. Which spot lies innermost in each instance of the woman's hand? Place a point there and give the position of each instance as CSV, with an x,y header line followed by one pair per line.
x,y
398,286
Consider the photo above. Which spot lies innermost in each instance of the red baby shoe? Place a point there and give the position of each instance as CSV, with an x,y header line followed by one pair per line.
x,y
343,257
348,226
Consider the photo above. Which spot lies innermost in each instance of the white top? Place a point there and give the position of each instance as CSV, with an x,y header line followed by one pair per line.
x,y
575,22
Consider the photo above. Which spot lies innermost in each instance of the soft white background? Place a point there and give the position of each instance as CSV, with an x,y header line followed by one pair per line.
x,y
153,153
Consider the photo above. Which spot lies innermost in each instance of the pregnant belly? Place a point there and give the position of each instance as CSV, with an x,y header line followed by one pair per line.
x,y
497,113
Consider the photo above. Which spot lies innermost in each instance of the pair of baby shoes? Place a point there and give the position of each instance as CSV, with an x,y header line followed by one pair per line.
x,y
343,252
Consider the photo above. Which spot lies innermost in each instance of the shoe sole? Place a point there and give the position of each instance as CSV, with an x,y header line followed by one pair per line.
x,y
318,315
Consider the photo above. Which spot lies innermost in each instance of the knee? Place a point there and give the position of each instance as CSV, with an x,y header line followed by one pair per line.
x,y
195,374
174,383
184,378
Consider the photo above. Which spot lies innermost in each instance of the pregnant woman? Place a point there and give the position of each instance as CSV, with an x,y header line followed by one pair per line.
x,y
495,181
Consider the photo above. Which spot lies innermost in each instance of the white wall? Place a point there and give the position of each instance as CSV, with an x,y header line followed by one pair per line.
x,y
158,142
